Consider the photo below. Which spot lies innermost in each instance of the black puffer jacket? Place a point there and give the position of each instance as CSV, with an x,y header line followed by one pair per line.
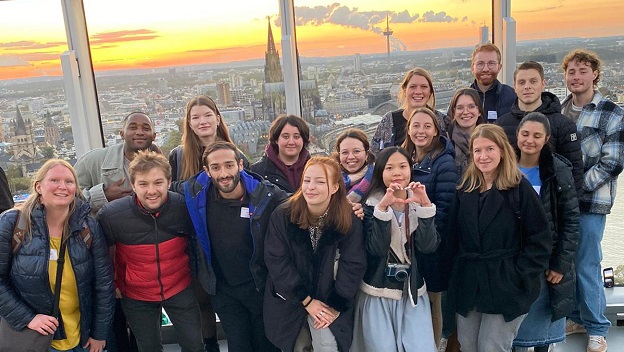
x,y
24,287
563,132
267,169
561,206
439,175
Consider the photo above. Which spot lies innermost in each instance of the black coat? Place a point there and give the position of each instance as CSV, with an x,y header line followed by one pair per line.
x,y
561,205
271,173
563,130
296,271
500,259
498,98
439,175
24,286
6,199
379,233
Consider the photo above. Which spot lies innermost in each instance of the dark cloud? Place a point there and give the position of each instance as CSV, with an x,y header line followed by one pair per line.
x,y
123,36
441,16
30,45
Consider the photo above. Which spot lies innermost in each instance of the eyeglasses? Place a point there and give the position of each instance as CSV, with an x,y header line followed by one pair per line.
x,y
356,152
462,108
490,64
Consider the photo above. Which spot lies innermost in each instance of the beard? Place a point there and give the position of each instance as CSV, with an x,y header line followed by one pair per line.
x,y
227,189
487,79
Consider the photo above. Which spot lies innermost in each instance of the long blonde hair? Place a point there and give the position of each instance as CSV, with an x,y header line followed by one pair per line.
x,y
508,173
34,201
192,148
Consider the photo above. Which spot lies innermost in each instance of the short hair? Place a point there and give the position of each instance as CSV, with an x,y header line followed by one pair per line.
x,y
586,57
358,134
530,65
146,160
339,210
125,119
535,117
488,47
278,125
475,97
418,71
508,173
220,145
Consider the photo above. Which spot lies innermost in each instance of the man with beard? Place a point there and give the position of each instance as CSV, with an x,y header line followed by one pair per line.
x,y
601,132
230,209
103,176
530,86
495,96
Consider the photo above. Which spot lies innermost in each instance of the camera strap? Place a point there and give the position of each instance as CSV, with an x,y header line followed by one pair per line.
x,y
408,234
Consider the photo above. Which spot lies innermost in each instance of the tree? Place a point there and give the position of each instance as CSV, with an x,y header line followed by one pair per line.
x,y
48,152
172,142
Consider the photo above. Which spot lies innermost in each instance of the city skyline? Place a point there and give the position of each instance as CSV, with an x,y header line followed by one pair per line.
x,y
145,35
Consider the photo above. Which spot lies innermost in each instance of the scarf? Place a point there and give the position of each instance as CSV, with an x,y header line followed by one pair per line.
x,y
358,183
461,140
292,173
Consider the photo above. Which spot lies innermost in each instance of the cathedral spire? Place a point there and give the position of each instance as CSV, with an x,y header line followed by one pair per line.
x,y
272,66
20,128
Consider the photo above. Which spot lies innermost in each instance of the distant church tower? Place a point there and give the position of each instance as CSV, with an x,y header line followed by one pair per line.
x,y
272,67
2,136
23,139
52,135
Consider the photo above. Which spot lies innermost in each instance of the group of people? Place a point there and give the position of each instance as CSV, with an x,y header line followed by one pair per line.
x,y
482,224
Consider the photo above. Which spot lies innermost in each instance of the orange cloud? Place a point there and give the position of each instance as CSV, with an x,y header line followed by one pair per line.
x,y
123,36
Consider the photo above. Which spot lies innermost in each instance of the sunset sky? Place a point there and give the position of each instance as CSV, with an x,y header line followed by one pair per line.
x,y
145,34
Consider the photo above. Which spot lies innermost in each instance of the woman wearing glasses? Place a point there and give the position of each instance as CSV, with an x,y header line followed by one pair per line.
x,y
466,113
356,162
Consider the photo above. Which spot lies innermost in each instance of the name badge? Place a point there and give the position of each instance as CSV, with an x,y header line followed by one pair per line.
x,y
53,254
492,115
244,212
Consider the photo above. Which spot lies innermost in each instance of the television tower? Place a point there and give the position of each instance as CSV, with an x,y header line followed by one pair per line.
x,y
388,32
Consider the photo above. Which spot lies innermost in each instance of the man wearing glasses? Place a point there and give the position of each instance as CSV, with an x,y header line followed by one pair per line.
x,y
496,97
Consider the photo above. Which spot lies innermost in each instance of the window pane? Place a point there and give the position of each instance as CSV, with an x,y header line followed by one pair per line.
x,y
155,57
358,68
33,109
546,32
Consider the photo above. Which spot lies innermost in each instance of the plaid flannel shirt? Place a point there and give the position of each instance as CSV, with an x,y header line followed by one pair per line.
x,y
601,133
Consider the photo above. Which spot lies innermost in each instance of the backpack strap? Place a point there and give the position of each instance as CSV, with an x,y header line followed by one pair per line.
x,y
18,232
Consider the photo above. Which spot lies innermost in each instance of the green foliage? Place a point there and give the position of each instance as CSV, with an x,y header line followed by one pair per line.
x,y
48,152
172,142
19,184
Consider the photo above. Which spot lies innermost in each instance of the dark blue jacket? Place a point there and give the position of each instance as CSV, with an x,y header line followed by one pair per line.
x,y
439,175
24,285
498,98
563,133
264,197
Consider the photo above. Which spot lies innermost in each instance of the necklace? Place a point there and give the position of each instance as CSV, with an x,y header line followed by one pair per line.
x,y
316,230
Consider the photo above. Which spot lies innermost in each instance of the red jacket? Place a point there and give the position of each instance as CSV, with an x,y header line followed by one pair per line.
x,y
151,259
152,272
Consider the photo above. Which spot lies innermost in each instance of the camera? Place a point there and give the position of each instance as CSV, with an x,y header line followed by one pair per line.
x,y
607,275
399,272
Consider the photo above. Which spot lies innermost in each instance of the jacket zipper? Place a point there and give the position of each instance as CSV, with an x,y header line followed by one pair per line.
x,y
160,284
